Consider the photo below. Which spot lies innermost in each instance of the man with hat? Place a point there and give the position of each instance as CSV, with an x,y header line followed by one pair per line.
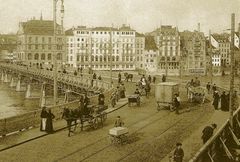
x,y
208,132
178,153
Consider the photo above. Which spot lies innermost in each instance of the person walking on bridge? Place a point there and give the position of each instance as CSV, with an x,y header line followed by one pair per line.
x,y
208,132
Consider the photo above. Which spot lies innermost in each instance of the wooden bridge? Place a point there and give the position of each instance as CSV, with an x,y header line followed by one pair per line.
x,y
69,83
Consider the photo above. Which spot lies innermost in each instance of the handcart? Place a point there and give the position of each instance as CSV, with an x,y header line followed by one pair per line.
x,y
164,94
118,135
134,99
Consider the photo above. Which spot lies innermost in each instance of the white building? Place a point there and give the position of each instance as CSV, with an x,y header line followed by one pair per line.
x,y
101,44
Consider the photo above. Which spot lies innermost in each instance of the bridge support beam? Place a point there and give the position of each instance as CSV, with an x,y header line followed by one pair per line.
x,y
43,95
2,76
5,78
28,90
18,86
12,82
66,97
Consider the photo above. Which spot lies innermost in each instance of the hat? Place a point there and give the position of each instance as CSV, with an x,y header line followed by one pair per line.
x,y
214,125
179,144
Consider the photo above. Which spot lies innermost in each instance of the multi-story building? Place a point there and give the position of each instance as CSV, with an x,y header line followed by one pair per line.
x,y
101,44
139,52
35,43
193,49
167,39
221,42
150,54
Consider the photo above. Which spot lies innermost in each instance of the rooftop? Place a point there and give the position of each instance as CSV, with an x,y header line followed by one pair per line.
x,y
38,27
150,43
221,38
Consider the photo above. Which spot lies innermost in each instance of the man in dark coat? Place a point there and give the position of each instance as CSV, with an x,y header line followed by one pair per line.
x,y
176,103
214,88
178,153
119,77
101,99
216,98
43,119
223,102
208,86
208,132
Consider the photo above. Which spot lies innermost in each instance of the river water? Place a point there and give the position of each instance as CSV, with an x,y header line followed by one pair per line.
x,y
14,103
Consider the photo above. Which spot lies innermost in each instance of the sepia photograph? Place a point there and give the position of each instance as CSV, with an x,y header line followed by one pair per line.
x,y
119,80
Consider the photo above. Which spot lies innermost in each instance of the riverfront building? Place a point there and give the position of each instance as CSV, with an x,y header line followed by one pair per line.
x,y
35,43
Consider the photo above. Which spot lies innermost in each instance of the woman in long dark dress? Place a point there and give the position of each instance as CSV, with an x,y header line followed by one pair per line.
x,y
49,124
223,102
216,100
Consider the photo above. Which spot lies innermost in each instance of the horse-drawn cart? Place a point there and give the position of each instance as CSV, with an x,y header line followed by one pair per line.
x,y
95,118
164,94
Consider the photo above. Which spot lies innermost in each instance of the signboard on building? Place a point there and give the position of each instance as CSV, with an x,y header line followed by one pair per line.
x,y
196,71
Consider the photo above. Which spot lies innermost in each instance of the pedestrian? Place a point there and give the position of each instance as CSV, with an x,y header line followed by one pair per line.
x,y
122,91
94,76
223,102
176,103
178,153
214,88
192,82
208,86
101,99
67,116
99,78
118,122
49,124
216,99
208,132
75,73
119,77
149,78
154,79
43,119
163,78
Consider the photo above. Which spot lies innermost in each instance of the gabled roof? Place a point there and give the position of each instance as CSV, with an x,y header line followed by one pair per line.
x,y
38,27
104,29
139,35
69,32
150,43
221,38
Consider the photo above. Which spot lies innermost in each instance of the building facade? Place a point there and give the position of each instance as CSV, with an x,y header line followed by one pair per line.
x,y
150,55
8,45
193,53
167,39
139,51
95,47
36,45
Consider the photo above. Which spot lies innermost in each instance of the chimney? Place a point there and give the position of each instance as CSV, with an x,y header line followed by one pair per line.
x,y
198,27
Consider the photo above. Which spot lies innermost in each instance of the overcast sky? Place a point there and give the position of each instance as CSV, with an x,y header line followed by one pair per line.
x,y
142,15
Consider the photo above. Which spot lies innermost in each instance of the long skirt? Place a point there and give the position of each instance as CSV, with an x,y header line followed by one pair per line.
x,y
43,124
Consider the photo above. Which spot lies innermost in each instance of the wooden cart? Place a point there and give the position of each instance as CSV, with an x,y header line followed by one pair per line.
x,y
118,135
164,94
134,99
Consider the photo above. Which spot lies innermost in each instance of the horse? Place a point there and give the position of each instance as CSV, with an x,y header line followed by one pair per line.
x,y
71,116
128,76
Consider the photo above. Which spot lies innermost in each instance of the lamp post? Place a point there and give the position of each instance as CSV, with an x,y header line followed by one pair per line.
x,y
231,101
55,70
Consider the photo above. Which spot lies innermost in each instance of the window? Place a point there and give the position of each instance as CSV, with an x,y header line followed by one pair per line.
x,y
36,46
36,56
42,56
49,47
29,56
59,56
49,56
30,39
43,40
71,58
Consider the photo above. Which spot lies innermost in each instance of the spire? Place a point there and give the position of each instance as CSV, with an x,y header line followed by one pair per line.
x,y
41,17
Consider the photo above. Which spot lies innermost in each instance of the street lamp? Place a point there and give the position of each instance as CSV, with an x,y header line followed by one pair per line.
x,y
55,74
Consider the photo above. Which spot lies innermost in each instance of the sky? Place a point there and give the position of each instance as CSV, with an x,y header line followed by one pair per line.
x,y
141,15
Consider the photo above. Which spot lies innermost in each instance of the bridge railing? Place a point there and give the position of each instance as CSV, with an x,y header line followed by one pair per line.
x,y
32,118
223,145
68,78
